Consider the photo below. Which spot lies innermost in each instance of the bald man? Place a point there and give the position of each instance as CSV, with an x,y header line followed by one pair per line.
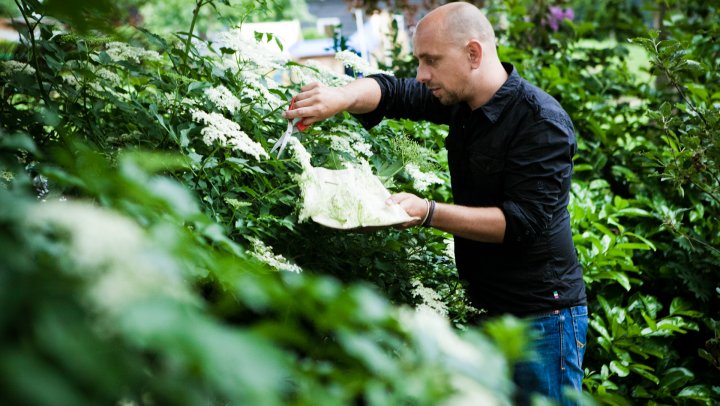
x,y
510,149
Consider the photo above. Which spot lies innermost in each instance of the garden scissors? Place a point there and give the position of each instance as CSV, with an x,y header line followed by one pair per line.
x,y
293,126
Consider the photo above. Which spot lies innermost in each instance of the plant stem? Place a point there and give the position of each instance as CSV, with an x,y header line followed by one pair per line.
x,y
196,11
31,34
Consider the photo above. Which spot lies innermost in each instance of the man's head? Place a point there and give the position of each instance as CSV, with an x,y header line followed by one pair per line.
x,y
455,48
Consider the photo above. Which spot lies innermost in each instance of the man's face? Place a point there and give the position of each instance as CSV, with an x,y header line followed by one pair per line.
x,y
442,65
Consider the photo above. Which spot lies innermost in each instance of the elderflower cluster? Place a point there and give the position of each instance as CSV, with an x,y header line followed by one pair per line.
x,y
70,79
450,248
6,177
470,359
264,253
12,66
301,154
350,145
312,71
120,51
109,76
357,64
258,91
116,258
227,133
222,98
431,300
357,141
421,180
262,55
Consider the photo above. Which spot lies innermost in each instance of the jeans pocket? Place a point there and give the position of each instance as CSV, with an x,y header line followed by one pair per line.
x,y
580,327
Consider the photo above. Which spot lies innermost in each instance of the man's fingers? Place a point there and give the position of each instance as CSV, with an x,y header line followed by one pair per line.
x,y
309,87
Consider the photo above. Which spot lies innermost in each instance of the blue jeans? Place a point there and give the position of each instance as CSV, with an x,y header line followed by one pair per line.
x,y
556,362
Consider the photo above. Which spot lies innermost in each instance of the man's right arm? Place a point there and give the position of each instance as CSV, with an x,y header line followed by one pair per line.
x,y
316,102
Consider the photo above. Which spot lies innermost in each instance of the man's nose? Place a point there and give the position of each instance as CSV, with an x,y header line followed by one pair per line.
x,y
422,75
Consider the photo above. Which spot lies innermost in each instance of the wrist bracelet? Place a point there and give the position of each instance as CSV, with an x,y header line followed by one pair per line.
x,y
427,222
427,212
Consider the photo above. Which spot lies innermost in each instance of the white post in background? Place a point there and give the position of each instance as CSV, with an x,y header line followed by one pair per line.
x,y
361,33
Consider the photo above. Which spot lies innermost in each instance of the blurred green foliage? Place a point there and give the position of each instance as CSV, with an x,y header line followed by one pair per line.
x,y
94,148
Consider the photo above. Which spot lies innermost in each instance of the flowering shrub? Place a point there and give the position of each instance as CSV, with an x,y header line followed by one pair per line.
x,y
187,268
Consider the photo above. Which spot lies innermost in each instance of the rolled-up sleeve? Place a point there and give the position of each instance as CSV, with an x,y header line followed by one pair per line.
x,y
404,98
537,182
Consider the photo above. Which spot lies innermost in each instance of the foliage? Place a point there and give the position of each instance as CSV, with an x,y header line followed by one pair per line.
x,y
148,229
77,121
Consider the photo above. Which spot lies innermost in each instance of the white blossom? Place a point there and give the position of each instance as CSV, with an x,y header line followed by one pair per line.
x,y
264,253
227,133
247,50
258,91
440,343
223,98
450,248
313,71
301,154
110,76
17,67
359,65
341,144
431,300
421,180
70,79
120,51
113,254
350,142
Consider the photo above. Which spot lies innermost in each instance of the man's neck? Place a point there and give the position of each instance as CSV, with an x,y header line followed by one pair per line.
x,y
488,82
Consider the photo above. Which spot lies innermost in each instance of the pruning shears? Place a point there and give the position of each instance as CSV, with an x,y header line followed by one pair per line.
x,y
293,126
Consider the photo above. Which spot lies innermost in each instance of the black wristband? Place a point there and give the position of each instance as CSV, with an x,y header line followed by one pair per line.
x,y
428,219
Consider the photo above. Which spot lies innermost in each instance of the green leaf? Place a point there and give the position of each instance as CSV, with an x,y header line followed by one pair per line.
x,y
675,378
644,371
696,392
621,369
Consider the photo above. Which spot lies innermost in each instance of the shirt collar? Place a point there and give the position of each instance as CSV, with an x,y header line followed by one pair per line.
x,y
502,98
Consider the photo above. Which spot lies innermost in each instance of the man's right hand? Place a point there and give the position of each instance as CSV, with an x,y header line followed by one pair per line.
x,y
316,102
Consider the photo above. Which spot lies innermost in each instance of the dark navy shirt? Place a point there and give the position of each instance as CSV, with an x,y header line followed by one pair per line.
x,y
515,152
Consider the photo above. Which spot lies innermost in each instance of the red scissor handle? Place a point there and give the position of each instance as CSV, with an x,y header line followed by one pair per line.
x,y
300,126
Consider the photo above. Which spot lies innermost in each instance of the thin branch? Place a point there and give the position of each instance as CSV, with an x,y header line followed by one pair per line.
x,y
33,44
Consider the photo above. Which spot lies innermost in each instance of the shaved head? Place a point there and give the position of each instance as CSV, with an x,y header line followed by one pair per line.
x,y
460,22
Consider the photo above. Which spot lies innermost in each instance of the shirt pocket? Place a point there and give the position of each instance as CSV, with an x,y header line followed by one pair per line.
x,y
487,177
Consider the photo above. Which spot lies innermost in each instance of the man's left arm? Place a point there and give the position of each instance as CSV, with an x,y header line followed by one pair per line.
x,y
536,183
486,224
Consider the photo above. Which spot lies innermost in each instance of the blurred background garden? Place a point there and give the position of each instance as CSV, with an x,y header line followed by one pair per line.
x,y
150,248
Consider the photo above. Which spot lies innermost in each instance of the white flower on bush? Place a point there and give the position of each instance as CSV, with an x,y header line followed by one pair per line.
x,y
221,97
109,76
248,50
312,71
421,180
357,63
431,300
468,362
17,67
256,90
450,248
227,133
264,253
70,79
114,255
301,154
120,51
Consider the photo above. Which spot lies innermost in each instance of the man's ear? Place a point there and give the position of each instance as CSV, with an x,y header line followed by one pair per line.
x,y
474,52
